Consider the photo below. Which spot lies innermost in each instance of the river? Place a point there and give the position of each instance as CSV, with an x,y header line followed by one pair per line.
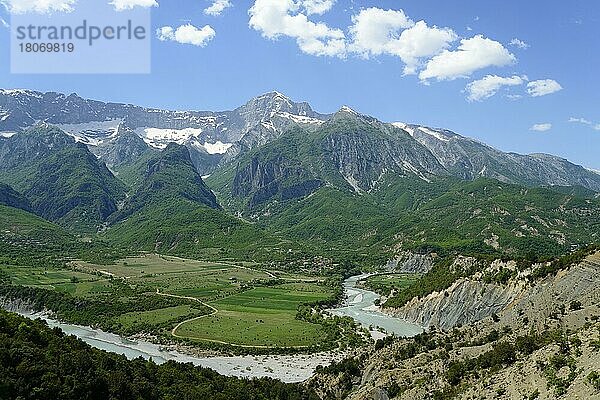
x,y
287,368
360,305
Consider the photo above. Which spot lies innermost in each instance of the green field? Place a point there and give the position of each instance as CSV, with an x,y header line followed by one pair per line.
x,y
240,304
156,317
37,276
259,317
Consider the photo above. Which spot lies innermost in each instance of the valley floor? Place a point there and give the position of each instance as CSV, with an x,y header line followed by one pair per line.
x,y
235,305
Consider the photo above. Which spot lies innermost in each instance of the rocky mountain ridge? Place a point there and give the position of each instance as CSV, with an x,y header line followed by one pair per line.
x,y
216,139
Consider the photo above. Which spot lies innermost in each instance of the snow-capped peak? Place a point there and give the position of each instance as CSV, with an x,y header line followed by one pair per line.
x,y
348,110
19,92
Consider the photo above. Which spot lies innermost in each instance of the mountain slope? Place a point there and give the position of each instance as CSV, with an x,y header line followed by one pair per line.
x,y
62,180
469,159
12,198
446,216
208,135
173,211
350,152
23,232
124,149
166,177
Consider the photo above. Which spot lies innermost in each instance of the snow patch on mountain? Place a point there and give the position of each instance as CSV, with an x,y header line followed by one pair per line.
x,y
596,171
7,135
269,125
348,110
20,92
212,148
437,134
301,119
92,133
405,127
160,138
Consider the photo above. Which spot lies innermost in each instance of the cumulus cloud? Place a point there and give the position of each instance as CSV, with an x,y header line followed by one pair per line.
x,y
122,5
489,85
543,87
541,127
276,18
217,7
472,55
187,34
376,31
424,49
38,6
317,6
519,43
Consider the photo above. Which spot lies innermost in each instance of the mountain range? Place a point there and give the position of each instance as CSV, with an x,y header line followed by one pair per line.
x,y
216,138
276,176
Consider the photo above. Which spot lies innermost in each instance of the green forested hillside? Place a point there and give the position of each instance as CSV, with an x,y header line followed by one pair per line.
x,y
186,228
12,198
446,216
167,177
173,211
61,179
73,188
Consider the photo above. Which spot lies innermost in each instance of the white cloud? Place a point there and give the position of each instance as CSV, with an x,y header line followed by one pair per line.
x,y
473,54
38,6
543,87
519,43
489,85
376,32
541,127
580,120
217,7
4,23
585,122
276,18
187,34
122,5
317,6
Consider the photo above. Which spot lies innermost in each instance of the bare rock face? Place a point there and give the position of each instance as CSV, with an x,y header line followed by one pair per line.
x,y
15,305
465,302
468,300
411,263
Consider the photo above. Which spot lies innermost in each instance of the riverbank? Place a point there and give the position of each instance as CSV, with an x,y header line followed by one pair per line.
x,y
286,368
360,305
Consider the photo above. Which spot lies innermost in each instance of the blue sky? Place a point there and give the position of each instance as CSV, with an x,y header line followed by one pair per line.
x,y
238,61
